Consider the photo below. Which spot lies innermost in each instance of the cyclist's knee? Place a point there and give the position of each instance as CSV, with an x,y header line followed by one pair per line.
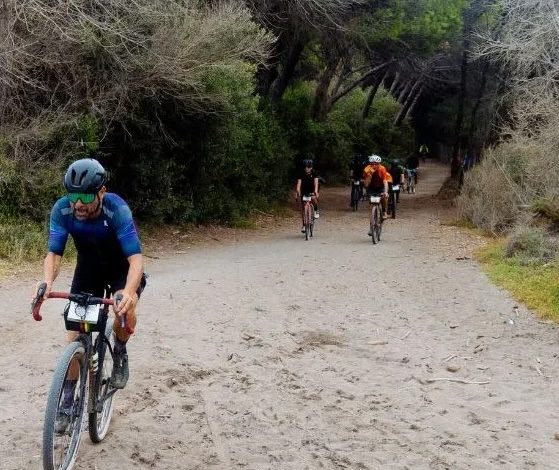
x,y
71,336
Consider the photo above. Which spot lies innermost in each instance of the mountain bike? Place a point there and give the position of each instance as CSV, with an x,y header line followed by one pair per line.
x,y
356,194
82,375
411,181
376,218
308,215
392,199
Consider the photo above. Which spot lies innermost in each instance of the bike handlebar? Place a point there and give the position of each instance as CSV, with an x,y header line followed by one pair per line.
x,y
81,299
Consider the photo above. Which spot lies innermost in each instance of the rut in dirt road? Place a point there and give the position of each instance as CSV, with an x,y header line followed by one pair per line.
x,y
332,353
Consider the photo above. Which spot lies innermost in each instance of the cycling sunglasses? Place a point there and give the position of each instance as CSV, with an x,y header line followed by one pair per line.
x,y
85,198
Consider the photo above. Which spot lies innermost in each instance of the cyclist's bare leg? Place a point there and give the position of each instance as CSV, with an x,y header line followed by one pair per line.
x,y
74,369
314,201
384,203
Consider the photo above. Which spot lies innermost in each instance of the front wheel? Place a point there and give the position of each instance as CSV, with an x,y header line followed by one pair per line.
x,y
308,220
64,412
102,391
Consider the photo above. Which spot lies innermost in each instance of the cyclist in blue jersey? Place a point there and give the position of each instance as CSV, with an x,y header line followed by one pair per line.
x,y
109,253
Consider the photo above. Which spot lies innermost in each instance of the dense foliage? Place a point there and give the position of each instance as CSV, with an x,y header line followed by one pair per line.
x,y
201,110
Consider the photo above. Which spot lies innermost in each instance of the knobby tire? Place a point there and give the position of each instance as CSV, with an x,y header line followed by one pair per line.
x,y
100,419
62,455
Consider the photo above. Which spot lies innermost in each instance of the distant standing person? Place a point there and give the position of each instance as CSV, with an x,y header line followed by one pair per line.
x,y
412,164
423,151
307,185
397,173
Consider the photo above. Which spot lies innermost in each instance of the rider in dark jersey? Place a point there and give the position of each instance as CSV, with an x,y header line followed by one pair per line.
x,y
109,254
307,185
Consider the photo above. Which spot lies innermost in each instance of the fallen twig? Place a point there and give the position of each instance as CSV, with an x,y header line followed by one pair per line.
x,y
406,335
466,358
377,343
462,381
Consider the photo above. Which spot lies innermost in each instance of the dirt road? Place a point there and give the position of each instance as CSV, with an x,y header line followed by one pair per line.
x,y
334,353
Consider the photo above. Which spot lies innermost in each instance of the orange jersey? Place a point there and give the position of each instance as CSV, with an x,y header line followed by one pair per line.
x,y
378,177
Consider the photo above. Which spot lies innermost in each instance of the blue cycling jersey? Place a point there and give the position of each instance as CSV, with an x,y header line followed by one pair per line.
x,y
102,239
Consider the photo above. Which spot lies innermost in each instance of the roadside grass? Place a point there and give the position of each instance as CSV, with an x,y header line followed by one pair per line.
x,y
23,244
467,225
535,285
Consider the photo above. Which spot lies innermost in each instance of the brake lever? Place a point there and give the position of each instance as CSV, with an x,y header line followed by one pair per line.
x,y
37,301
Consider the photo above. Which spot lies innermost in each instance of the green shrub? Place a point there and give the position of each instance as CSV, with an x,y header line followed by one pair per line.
x,y
344,133
530,245
21,240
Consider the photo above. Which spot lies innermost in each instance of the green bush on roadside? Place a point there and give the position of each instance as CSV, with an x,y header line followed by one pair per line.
x,y
530,246
21,240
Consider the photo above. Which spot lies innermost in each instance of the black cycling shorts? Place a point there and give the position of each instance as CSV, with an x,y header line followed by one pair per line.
x,y
91,278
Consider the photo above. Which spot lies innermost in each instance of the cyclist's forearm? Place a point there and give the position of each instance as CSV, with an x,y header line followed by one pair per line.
x,y
51,267
298,187
316,185
135,272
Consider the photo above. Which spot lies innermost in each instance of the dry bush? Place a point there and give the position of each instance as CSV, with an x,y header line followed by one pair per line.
x,y
530,245
490,196
525,165
60,60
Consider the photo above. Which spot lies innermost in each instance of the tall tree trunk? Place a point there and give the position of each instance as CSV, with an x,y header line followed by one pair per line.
x,y
361,81
321,104
456,162
404,92
410,110
372,94
404,109
479,97
289,63
394,83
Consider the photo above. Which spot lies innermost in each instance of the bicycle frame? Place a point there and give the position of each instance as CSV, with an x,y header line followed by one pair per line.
x,y
375,222
91,345
356,193
308,217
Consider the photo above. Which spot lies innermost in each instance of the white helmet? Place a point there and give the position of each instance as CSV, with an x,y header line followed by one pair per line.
x,y
374,159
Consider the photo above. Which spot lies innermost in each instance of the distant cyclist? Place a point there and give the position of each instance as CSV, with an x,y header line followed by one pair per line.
x,y
397,173
307,185
375,178
356,172
423,151
109,253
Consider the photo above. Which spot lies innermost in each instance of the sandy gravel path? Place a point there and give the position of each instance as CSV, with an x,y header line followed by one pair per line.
x,y
273,352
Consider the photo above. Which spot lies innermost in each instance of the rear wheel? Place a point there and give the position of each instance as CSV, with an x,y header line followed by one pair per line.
x,y
374,222
65,407
378,225
393,204
100,418
355,190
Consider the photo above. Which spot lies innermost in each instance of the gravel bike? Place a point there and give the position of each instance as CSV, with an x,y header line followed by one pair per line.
x,y
356,194
392,199
82,376
376,218
308,215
